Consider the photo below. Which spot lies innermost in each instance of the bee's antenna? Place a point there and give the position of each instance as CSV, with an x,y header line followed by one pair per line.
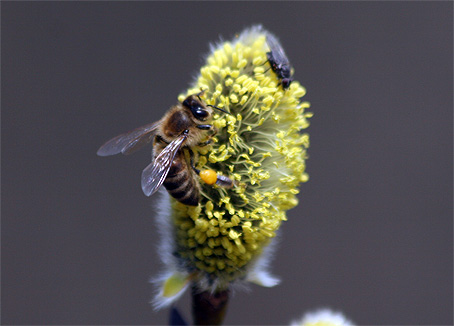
x,y
215,107
201,93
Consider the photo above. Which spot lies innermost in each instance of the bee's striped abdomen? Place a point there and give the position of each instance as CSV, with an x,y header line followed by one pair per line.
x,y
180,183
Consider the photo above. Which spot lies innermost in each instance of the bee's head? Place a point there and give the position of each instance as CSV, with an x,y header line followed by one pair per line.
x,y
198,109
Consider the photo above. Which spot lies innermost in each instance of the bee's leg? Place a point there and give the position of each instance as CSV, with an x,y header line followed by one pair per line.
x,y
210,177
205,127
213,130
197,171
191,161
225,182
205,143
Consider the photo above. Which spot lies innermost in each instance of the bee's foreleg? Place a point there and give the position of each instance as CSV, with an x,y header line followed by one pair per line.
x,y
205,143
210,135
214,132
205,127
224,181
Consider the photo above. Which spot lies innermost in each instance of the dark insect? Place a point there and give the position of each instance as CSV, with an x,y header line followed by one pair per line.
x,y
279,62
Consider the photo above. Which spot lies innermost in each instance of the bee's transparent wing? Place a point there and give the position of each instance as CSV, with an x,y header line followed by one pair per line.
x,y
155,173
129,142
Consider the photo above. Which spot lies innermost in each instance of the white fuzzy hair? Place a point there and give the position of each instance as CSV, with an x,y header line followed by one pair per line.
x,y
323,316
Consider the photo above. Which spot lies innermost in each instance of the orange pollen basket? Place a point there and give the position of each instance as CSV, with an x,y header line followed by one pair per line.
x,y
208,176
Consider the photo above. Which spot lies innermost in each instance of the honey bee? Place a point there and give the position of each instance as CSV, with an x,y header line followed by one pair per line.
x,y
279,62
183,127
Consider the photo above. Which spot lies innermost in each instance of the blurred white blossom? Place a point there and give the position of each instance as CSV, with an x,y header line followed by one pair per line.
x,y
322,317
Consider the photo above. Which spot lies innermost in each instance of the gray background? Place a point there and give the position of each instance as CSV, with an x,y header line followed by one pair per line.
x,y
372,235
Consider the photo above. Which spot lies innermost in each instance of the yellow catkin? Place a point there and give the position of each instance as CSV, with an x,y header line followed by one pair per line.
x,y
260,145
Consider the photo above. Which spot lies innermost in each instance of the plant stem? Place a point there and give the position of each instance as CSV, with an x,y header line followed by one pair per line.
x,y
209,308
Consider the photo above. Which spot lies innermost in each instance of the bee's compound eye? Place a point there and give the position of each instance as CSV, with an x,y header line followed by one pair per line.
x,y
208,176
200,114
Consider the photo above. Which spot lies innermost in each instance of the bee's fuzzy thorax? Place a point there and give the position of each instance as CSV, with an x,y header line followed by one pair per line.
x,y
260,145
176,121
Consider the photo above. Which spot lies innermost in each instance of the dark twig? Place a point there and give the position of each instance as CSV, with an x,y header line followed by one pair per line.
x,y
209,308
175,318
